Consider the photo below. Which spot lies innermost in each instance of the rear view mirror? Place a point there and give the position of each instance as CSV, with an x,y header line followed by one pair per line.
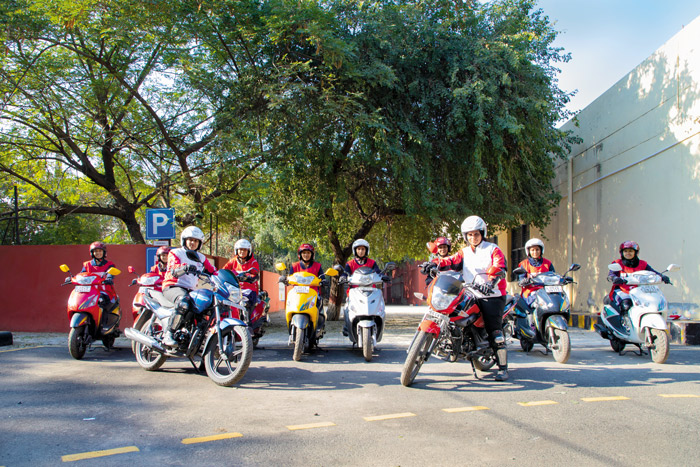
x,y
614,267
64,268
419,296
673,267
519,270
390,266
574,267
280,266
131,270
113,271
331,272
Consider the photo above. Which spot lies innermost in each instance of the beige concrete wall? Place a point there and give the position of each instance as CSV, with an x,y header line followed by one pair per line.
x,y
636,176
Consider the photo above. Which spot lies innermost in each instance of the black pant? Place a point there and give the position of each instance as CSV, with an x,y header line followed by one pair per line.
x,y
492,311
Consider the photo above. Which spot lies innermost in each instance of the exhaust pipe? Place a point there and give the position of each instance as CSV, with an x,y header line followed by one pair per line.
x,y
602,331
143,339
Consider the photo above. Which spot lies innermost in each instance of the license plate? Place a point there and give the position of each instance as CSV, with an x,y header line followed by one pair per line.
x,y
301,288
143,289
440,318
649,288
554,289
83,288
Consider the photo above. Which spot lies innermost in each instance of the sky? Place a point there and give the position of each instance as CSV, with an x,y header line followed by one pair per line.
x,y
608,38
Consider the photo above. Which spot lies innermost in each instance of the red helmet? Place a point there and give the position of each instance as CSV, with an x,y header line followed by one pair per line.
x,y
629,244
443,241
306,247
163,250
98,246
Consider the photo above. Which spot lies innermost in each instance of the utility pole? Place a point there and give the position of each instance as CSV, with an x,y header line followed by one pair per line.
x,y
16,217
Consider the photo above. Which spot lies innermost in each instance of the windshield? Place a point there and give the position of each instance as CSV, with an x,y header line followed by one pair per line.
x,y
547,278
449,283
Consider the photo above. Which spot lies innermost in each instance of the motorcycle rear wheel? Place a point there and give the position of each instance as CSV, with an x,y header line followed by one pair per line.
x,y
76,342
238,347
560,338
367,344
298,344
417,355
659,352
148,359
617,345
484,363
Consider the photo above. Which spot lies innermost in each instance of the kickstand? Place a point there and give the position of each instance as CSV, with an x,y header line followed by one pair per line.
x,y
641,352
197,367
474,370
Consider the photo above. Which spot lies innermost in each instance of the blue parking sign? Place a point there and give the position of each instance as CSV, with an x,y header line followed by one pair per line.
x,y
151,257
160,224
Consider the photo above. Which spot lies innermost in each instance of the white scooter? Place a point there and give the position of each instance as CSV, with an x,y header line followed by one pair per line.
x,y
364,310
645,324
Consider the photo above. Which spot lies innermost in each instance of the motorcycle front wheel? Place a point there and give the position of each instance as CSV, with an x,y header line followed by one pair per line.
x,y
367,344
660,349
417,355
149,359
142,318
560,344
237,346
76,342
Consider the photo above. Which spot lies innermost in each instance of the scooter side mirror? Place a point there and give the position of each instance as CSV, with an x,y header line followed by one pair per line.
x,y
331,272
131,270
419,296
390,266
673,267
519,270
113,271
280,266
614,267
64,268
574,267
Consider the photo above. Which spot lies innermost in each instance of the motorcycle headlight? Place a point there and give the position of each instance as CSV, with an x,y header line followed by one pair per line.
x,y
85,280
440,301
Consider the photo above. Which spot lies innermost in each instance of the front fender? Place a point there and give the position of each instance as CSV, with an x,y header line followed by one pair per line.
x,y
79,319
652,320
300,321
557,322
429,327
366,323
225,324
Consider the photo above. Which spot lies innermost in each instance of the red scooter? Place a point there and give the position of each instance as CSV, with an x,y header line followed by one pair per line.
x,y
91,318
139,311
453,327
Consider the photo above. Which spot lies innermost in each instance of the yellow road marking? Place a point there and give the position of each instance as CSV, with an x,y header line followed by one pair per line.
x,y
94,454
536,403
602,399
206,439
310,425
465,409
23,348
389,416
678,395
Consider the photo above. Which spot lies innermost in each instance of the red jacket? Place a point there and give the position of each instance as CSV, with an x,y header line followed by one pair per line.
x,y
642,266
352,265
156,268
534,270
178,257
91,268
444,264
250,267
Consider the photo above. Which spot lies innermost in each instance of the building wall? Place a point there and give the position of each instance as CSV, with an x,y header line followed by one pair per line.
x,y
635,176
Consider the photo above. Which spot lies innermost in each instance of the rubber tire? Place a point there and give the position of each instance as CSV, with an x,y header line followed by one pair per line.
x,y
617,345
148,359
298,344
659,354
417,355
144,317
108,341
76,345
241,335
367,344
482,365
562,354
526,344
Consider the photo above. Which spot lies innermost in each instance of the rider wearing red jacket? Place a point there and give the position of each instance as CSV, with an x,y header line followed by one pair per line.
x,y
99,264
360,249
306,263
162,261
630,262
444,262
247,269
480,261
535,264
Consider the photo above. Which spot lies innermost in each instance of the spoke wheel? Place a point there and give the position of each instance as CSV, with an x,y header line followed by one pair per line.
x,y
560,344
76,342
417,355
660,349
367,344
148,359
227,365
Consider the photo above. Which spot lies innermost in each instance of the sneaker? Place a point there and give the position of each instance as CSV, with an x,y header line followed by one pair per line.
x,y
502,375
168,339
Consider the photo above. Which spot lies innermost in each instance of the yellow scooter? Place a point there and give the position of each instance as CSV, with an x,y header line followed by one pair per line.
x,y
303,309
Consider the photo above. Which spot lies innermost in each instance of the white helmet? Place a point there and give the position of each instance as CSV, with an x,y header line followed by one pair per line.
x,y
360,242
472,223
534,242
192,232
243,244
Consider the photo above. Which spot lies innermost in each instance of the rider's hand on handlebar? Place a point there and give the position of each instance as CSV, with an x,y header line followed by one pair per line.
x,y
386,278
191,269
483,288
619,281
665,279
282,279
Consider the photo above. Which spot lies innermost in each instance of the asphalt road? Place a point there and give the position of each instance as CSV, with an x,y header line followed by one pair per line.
x,y
333,408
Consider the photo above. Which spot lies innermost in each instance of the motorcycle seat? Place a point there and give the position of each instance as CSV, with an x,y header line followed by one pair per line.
x,y
160,298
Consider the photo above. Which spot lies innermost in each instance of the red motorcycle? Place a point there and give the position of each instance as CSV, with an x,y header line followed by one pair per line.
x,y
452,329
93,311
139,311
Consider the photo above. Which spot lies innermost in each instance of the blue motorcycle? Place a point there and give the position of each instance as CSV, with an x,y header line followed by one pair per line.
x,y
223,343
